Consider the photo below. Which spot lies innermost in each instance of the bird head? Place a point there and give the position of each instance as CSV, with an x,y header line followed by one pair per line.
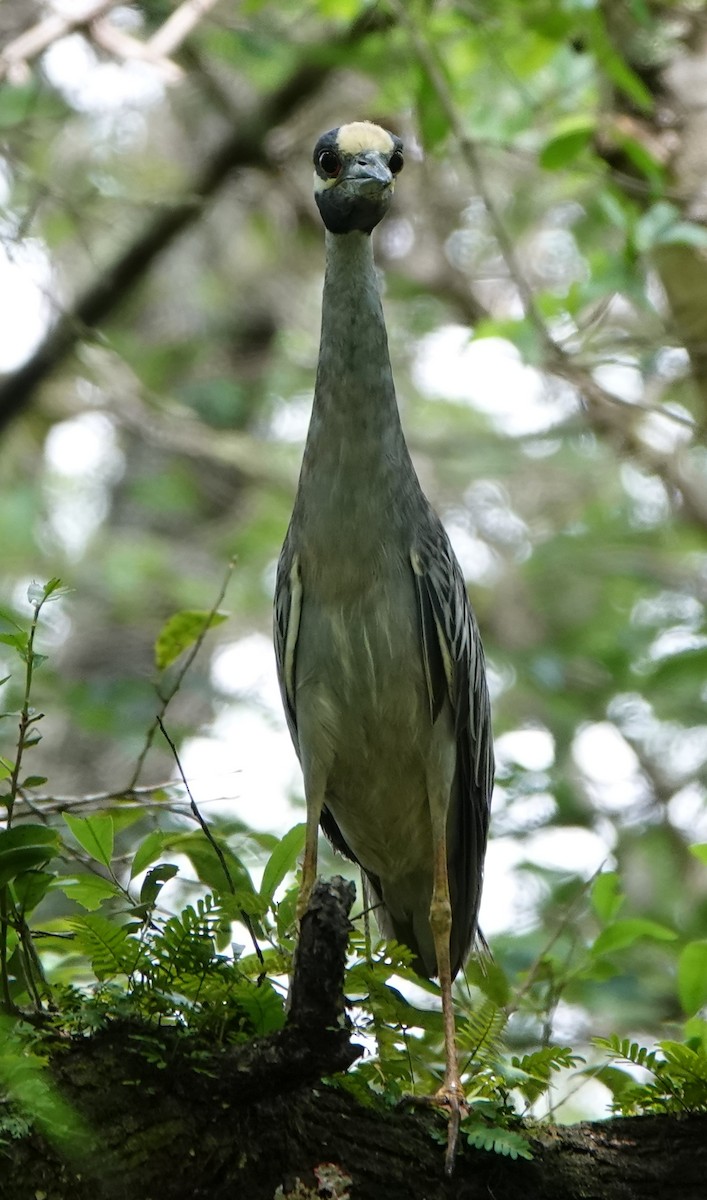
x,y
354,175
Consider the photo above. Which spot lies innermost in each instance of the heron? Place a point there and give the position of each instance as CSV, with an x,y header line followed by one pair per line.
x,y
379,657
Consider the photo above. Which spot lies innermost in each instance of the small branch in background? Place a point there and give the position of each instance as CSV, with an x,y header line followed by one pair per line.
x,y
158,49
211,839
94,22
19,53
617,422
167,697
178,26
195,808
143,798
126,46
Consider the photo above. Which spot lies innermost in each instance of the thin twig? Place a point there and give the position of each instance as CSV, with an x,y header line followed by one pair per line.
x,y
211,839
171,693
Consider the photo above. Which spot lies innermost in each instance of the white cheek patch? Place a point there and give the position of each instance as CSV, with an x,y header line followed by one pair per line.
x,y
321,185
364,135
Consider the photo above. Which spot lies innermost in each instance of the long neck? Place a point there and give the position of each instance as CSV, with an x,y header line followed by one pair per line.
x,y
355,439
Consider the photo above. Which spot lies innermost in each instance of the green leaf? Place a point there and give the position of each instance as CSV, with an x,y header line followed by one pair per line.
x,y
105,943
657,227
692,977
607,896
617,70
570,138
149,849
699,849
37,593
87,890
29,888
25,848
282,860
155,880
686,668
207,864
617,1081
640,156
181,631
94,835
33,781
16,640
625,933
6,767
263,1006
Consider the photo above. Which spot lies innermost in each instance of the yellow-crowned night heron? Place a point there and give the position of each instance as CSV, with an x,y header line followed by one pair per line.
x,y
379,657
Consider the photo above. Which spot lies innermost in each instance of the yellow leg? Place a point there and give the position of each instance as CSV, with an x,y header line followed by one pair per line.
x,y
451,1092
309,863
314,788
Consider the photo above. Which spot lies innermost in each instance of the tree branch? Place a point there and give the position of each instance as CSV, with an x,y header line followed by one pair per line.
x,y
158,1114
18,53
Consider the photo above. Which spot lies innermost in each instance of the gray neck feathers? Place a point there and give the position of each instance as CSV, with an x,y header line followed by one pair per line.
x,y
355,443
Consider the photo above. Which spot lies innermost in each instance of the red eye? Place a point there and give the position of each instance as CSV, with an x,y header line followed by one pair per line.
x,y
395,162
330,163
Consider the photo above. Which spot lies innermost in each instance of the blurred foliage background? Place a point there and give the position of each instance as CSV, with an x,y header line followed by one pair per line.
x,y
545,275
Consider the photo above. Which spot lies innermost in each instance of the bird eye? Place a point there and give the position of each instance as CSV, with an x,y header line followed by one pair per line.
x,y
330,163
395,162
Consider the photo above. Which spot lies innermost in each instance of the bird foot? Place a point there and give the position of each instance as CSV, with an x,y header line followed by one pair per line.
x,y
450,1097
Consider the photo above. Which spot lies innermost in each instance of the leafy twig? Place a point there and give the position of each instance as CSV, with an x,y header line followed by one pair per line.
x,y
168,696
9,915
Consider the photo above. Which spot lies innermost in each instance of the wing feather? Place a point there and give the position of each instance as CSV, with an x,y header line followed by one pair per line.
x,y
286,620
286,623
454,660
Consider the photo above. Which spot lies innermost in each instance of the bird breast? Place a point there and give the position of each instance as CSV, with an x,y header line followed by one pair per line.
x,y
363,713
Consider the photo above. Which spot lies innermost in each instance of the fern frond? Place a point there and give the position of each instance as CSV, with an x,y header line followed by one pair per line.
x,y
111,951
629,1051
501,1141
480,1035
679,1082
686,1062
539,1066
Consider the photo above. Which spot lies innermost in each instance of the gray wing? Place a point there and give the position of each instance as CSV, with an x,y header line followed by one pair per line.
x,y
286,618
455,669
286,621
